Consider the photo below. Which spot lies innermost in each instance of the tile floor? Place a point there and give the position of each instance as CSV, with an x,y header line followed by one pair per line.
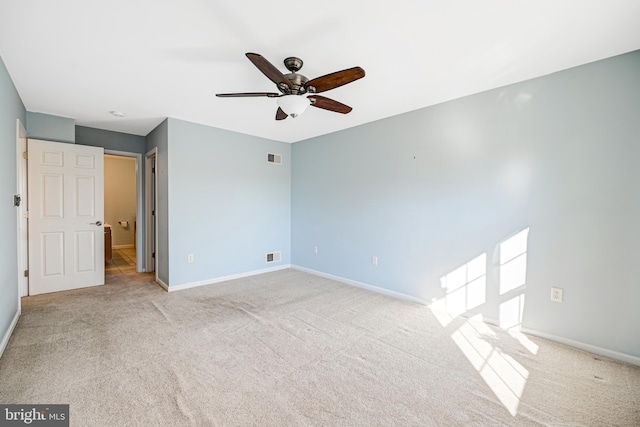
x,y
122,261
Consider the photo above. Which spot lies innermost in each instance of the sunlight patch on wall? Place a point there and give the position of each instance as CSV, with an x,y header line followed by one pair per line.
x,y
513,278
513,262
502,373
511,312
465,289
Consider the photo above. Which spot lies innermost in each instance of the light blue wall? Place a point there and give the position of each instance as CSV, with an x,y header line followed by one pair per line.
x,y
11,109
227,205
159,139
50,128
430,190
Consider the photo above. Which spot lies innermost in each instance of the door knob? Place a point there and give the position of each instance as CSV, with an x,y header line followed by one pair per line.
x,y
98,223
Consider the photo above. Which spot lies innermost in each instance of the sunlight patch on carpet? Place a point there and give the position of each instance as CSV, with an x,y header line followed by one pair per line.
x,y
502,373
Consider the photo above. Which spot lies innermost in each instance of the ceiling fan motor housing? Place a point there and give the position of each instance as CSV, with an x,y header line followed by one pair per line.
x,y
297,82
294,64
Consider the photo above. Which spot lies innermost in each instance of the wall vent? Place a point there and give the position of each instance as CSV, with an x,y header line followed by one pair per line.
x,y
273,257
274,158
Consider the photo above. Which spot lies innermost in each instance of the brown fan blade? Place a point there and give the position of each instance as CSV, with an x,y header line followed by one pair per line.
x,y
268,69
280,115
334,80
329,104
238,95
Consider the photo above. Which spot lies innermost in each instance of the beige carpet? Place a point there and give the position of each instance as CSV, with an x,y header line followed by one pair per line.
x,y
288,348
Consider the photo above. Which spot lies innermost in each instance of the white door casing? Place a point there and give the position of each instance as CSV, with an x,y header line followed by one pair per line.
x,y
23,226
66,212
150,214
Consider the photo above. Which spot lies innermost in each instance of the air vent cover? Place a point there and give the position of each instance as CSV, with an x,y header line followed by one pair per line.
x,y
273,257
274,158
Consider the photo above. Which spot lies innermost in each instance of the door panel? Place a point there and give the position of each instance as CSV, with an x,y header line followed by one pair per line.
x,y
66,202
85,251
52,254
86,197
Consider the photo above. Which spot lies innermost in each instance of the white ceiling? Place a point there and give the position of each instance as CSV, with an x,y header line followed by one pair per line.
x,y
154,59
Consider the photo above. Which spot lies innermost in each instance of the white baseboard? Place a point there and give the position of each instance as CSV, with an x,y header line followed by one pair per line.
x,y
634,360
623,357
7,335
184,286
357,284
130,245
162,284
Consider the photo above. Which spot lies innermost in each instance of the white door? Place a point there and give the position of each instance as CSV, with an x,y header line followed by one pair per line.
x,y
66,212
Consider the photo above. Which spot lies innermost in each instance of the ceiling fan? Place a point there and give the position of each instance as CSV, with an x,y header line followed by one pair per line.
x,y
293,87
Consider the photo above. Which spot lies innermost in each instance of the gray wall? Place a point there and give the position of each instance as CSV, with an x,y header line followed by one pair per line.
x,y
11,109
429,191
110,140
227,205
50,128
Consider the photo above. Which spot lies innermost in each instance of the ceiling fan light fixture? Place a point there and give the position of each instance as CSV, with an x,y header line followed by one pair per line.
x,y
293,105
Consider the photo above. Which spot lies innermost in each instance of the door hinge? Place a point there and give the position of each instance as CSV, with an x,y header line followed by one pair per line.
x,y
26,273
16,200
153,255
153,170
153,213
25,155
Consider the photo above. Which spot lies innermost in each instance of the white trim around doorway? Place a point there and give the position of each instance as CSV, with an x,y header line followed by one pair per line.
x,y
151,226
21,215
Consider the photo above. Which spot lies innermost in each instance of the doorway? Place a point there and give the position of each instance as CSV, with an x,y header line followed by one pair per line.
x,y
123,212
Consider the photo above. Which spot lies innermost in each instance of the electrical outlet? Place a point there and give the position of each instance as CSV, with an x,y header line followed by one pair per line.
x,y
315,250
374,260
556,294
190,258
